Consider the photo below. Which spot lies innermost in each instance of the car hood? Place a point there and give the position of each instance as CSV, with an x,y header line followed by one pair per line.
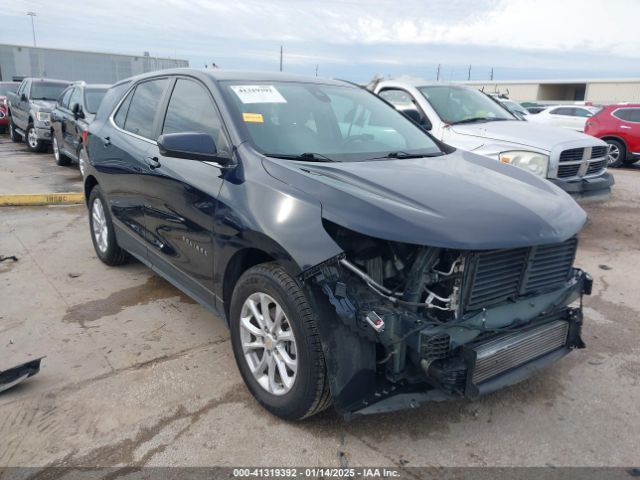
x,y
528,134
462,200
44,105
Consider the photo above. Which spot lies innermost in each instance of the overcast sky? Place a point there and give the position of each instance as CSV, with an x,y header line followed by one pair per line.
x,y
351,39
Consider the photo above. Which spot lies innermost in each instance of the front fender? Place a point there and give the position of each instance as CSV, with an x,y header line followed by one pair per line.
x,y
254,210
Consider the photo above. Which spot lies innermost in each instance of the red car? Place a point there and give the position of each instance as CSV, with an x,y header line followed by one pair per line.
x,y
619,126
4,110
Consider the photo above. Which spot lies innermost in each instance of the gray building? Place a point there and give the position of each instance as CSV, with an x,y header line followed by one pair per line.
x,y
597,91
18,61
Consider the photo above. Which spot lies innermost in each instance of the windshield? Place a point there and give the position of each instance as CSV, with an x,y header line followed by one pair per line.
x,y
93,97
46,90
461,105
331,122
8,87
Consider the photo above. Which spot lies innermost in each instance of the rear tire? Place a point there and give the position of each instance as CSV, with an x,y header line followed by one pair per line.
x,y
61,159
103,234
15,136
295,342
617,153
34,144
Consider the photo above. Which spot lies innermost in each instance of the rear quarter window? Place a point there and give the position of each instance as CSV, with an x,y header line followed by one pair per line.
x,y
628,114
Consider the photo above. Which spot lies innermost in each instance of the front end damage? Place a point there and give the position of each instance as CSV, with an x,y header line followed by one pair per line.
x,y
438,324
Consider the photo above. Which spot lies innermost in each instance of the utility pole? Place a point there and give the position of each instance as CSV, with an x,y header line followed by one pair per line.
x,y
316,69
33,28
438,73
491,73
280,57
469,74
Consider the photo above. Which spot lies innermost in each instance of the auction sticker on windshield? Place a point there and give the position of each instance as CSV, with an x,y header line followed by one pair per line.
x,y
258,94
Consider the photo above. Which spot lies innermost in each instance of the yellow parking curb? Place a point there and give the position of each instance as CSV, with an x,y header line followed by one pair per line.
x,y
41,199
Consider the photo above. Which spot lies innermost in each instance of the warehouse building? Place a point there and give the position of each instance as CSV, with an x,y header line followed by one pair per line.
x,y
600,91
17,62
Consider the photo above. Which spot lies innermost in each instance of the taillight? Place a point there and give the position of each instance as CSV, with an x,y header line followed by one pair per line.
x,y
85,135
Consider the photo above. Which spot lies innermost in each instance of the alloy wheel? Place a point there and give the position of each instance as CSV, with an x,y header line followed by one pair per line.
x,y
268,343
99,225
32,138
614,154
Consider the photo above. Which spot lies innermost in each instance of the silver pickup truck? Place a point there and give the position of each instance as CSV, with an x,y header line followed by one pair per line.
x,y
468,119
30,109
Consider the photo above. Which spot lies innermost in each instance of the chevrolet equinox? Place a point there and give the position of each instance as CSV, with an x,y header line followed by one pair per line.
x,y
357,260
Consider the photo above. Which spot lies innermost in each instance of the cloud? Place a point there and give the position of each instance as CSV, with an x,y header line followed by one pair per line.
x,y
538,34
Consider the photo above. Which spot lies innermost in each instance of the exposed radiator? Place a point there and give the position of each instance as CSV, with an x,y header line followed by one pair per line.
x,y
507,274
514,349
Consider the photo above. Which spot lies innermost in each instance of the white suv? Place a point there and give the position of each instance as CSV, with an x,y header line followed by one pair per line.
x,y
567,116
468,119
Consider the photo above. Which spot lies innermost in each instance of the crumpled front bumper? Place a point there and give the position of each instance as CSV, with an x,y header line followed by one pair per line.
x,y
588,189
505,359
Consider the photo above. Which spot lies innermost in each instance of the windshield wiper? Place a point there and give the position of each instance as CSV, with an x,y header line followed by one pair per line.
x,y
479,119
307,157
402,155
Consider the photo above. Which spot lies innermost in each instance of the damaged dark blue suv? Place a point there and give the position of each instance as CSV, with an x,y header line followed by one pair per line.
x,y
357,260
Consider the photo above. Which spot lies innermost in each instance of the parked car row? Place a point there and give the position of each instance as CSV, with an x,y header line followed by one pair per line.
x,y
48,112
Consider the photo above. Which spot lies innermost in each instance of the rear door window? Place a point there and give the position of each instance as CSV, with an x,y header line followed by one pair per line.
x,y
562,111
144,107
582,112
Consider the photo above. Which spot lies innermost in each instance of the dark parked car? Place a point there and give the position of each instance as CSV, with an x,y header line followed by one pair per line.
x,y
70,119
5,88
356,259
30,109
619,126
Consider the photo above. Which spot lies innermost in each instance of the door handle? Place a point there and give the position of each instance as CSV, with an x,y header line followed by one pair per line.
x,y
626,127
106,142
153,162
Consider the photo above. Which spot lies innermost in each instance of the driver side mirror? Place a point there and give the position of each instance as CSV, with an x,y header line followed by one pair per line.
x,y
77,111
191,146
414,115
23,97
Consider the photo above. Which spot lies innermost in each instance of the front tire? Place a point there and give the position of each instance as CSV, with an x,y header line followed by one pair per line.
x,y
617,153
34,144
103,234
61,159
276,343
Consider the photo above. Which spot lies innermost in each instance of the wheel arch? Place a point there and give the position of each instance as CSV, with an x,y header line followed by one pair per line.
x,y
240,262
89,183
614,137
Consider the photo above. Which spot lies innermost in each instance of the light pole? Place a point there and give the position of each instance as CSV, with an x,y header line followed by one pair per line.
x,y
33,28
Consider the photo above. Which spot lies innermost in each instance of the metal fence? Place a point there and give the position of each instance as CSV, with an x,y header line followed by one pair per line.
x,y
18,61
